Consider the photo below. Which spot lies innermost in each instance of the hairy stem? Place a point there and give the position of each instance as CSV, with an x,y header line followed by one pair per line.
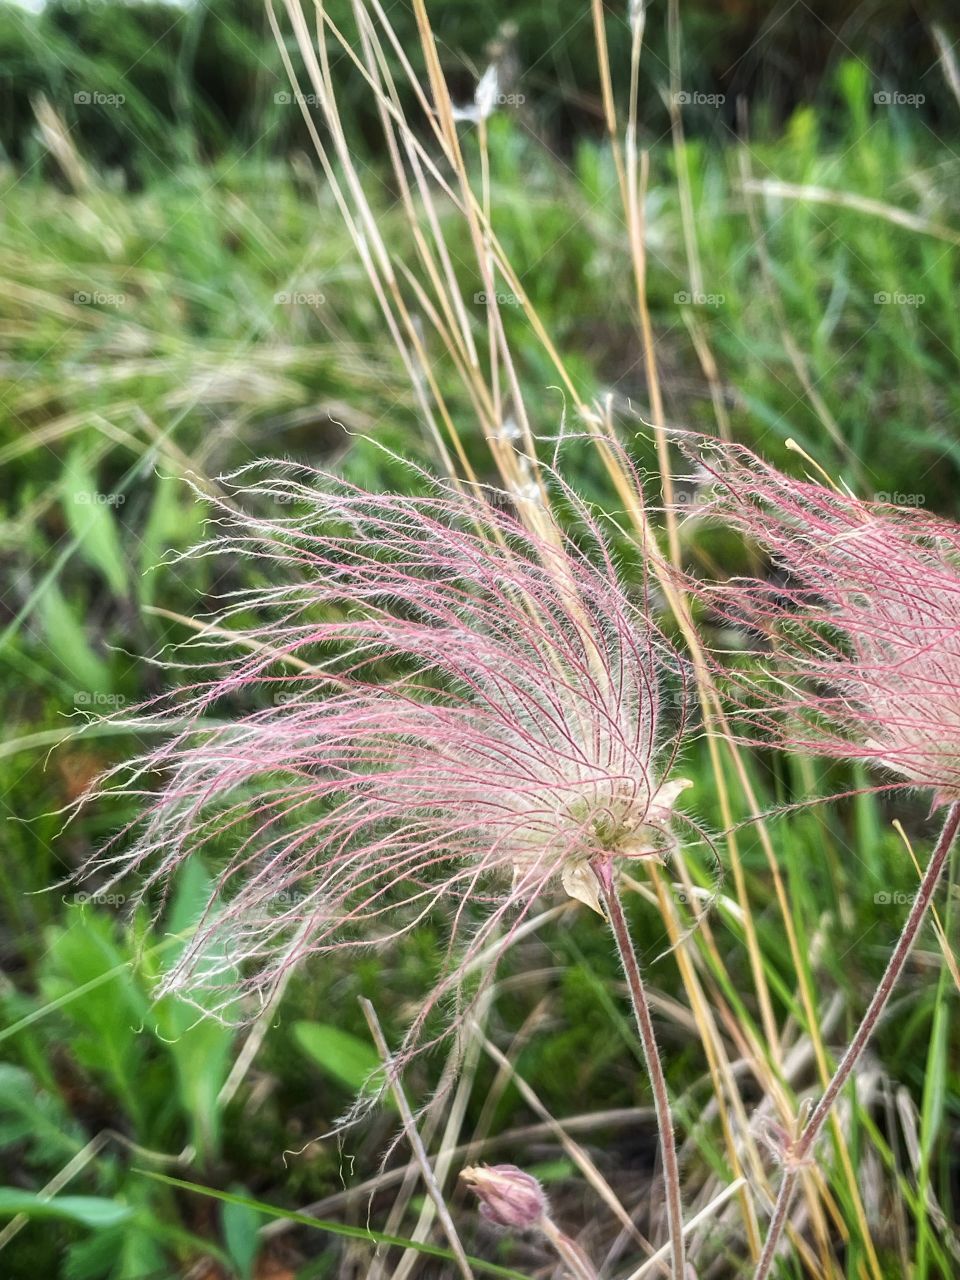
x,y
811,1131
661,1099
568,1250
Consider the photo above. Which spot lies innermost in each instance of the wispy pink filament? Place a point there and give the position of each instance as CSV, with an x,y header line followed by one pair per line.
x,y
479,708
861,621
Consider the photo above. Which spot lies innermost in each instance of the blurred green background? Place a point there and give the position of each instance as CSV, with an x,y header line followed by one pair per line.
x,y
178,295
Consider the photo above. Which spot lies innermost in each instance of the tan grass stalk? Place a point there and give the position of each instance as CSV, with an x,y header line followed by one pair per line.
x,y
436,296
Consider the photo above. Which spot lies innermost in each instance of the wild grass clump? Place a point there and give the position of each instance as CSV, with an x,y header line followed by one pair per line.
x,y
415,729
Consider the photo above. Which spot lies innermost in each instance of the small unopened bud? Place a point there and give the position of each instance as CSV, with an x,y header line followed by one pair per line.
x,y
508,1196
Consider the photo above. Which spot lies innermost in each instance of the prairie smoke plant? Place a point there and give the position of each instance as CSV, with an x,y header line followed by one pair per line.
x,y
862,661
459,713
863,623
515,1200
508,1196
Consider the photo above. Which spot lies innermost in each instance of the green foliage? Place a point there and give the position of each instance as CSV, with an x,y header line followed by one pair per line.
x,y
90,1211
151,333
142,1068
351,1061
337,1228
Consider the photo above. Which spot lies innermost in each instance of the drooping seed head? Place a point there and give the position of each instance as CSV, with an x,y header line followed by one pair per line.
x,y
424,706
860,621
508,1196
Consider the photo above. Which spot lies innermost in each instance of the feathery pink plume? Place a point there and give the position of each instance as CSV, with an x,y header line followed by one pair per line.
x,y
474,714
861,655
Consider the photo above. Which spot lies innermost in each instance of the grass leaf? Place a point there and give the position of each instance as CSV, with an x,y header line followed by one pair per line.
x,y
89,1211
334,1228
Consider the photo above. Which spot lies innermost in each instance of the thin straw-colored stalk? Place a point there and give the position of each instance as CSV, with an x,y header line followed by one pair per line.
x,y
797,358
931,1112
362,228
691,245
448,1142
447,317
949,959
718,1063
434,1190
850,200
717,728
633,197
633,191
567,1251
706,1213
679,149
577,1154
803,1147
710,704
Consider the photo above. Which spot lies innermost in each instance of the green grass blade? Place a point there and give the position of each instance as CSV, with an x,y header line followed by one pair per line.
x,y
335,1228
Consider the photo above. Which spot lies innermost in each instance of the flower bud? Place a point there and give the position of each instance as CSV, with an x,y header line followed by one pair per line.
x,y
508,1196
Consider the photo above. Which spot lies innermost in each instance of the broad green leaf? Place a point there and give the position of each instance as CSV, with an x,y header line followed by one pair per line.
x,y
90,515
352,1061
90,1211
172,522
241,1226
67,642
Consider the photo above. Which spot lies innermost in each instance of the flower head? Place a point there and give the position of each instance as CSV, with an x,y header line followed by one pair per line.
x,y
508,1196
861,628
458,714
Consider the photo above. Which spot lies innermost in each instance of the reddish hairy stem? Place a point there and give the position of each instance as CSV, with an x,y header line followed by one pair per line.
x,y
651,1054
802,1147
568,1250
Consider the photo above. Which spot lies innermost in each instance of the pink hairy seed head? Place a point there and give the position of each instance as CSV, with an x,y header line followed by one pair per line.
x,y
862,635
459,713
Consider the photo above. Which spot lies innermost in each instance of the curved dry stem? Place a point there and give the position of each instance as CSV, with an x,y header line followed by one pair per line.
x,y
651,1054
801,1149
568,1251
